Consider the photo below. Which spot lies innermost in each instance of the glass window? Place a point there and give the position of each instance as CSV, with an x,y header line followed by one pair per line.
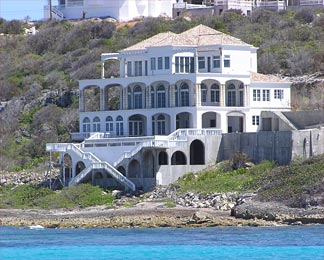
x,y
161,96
160,63
138,68
241,93
152,97
96,124
129,98
256,95
216,62
255,120
184,64
203,93
201,62
167,62
138,103
177,64
231,96
265,95
227,61
184,95
146,68
161,125
181,64
109,124
86,125
129,68
153,64
119,126
192,65
214,93
278,93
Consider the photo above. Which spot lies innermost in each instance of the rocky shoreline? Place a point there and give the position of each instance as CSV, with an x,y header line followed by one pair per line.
x,y
162,207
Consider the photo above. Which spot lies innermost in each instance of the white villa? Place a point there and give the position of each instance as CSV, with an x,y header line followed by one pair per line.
x,y
165,114
121,10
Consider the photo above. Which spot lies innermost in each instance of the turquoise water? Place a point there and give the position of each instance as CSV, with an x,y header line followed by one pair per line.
x,y
293,243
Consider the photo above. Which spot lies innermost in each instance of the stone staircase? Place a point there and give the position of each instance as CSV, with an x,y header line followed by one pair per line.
x,y
94,163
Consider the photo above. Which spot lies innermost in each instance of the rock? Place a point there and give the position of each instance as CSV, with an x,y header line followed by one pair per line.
x,y
117,194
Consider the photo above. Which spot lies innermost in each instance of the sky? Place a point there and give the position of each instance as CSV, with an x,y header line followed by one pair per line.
x,y
20,9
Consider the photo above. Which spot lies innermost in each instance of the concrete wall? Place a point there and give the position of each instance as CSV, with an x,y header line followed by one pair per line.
x,y
307,143
281,147
272,146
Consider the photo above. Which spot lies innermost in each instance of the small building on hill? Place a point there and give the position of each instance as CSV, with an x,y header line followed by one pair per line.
x,y
165,115
121,10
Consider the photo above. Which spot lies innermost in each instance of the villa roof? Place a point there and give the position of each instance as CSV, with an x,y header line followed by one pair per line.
x,y
200,35
258,77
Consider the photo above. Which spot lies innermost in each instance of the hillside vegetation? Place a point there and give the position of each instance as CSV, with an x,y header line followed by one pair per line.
x,y
39,73
297,185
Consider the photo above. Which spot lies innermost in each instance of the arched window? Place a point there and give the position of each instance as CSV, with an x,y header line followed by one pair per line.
x,y
178,158
184,95
214,93
96,124
163,158
161,96
231,95
161,125
152,97
119,126
109,124
129,98
138,102
86,125
203,88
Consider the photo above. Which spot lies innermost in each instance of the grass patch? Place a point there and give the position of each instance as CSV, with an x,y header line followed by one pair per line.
x,y
217,180
30,196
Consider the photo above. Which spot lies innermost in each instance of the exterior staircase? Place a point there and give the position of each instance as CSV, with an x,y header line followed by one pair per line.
x,y
95,163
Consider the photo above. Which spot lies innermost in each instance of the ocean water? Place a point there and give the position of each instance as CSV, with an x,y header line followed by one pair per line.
x,y
280,243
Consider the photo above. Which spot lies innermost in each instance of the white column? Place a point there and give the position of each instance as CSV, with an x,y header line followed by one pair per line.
x,y
149,126
246,96
125,98
81,101
172,123
172,103
103,70
222,95
198,95
102,99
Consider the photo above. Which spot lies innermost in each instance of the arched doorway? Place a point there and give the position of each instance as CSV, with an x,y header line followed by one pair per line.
x,y
98,179
134,169
197,153
148,165
163,158
67,169
178,158
80,166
